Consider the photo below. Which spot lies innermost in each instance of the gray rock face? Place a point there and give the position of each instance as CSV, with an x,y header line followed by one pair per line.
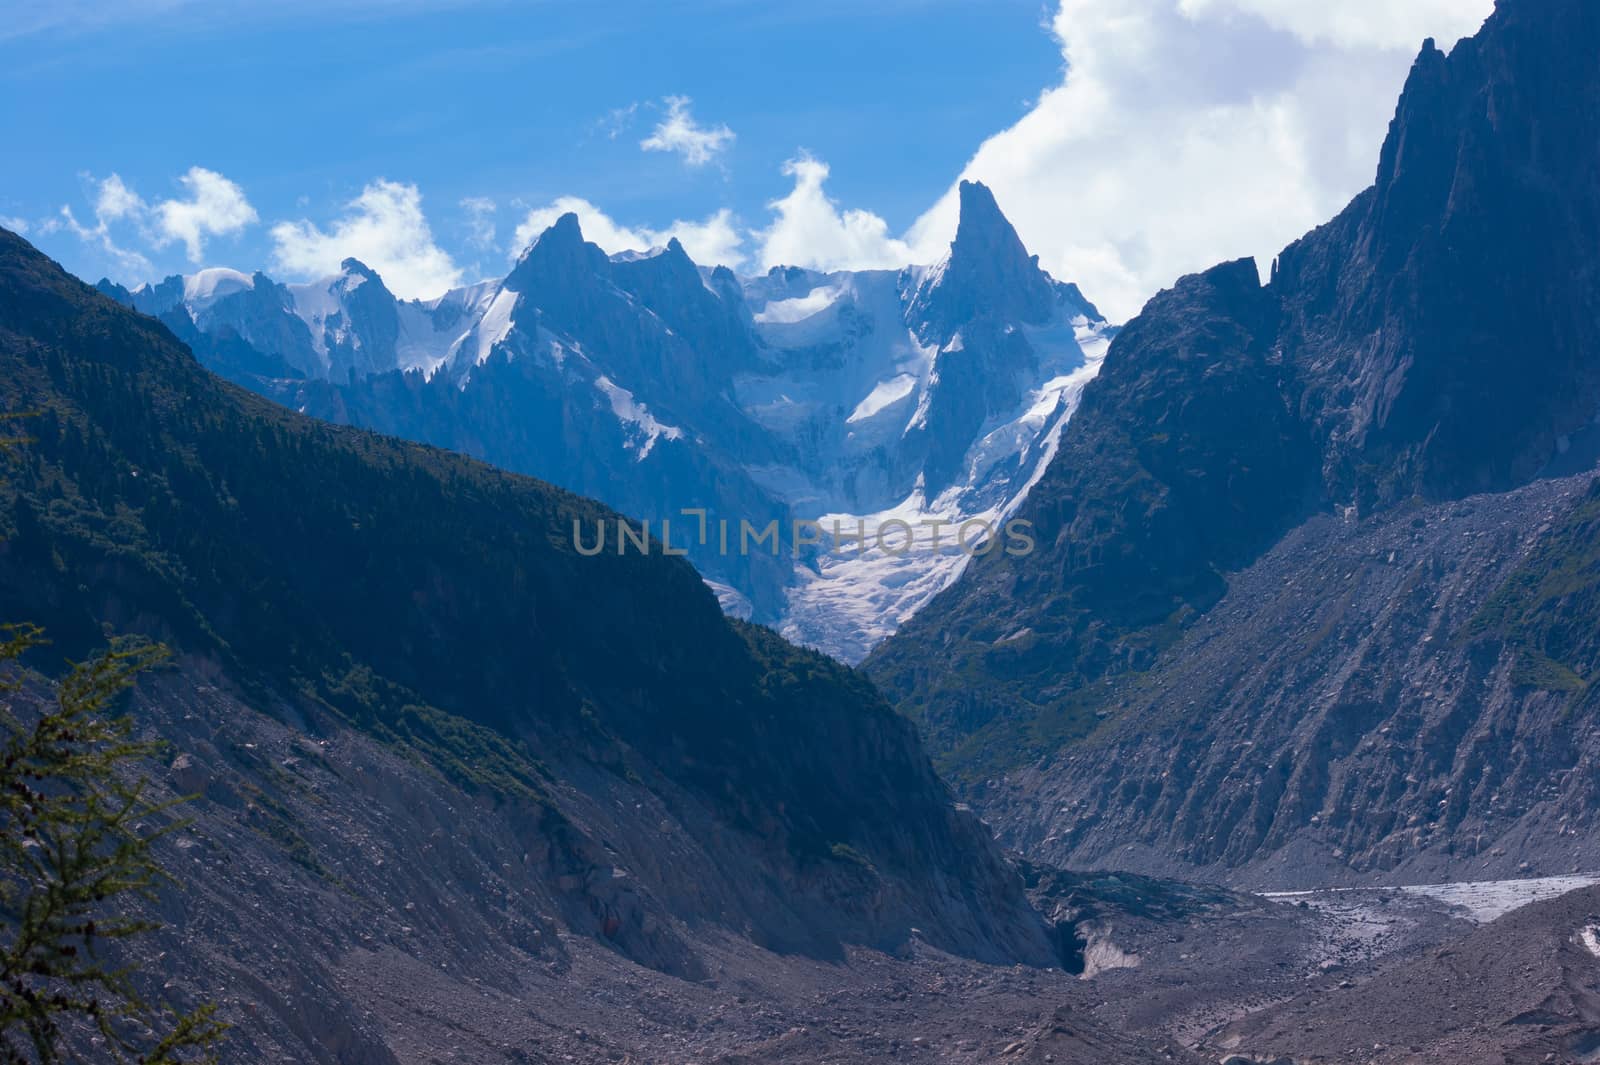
x,y
989,274
1444,326
339,897
1355,708
344,902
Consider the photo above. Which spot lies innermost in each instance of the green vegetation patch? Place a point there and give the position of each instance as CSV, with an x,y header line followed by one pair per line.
x,y
1548,610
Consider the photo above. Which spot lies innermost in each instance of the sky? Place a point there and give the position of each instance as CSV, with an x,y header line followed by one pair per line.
x,y
1130,141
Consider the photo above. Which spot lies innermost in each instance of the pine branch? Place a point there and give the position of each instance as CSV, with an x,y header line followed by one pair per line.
x,y
76,851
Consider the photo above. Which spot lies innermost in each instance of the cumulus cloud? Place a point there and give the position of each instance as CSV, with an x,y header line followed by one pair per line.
x,y
383,227
679,132
215,207
1187,132
811,230
712,242
127,263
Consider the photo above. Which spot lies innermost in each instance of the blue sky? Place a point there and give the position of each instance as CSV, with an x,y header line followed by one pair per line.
x,y
1130,141
512,103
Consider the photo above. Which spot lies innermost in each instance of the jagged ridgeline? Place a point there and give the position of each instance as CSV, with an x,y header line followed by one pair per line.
x,y
656,385
441,604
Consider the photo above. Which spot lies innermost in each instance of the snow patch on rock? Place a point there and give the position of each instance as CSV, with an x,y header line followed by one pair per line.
x,y
631,412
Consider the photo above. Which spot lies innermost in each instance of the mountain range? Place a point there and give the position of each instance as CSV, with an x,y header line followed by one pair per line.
x,y
849,399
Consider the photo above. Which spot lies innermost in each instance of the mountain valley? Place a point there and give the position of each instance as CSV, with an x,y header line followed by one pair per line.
x,y
1278,746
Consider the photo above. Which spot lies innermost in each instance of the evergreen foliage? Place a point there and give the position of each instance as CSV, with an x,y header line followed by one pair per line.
x,y
76,850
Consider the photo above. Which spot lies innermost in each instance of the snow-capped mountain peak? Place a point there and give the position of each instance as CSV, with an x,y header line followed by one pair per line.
x,y
207,286
863,397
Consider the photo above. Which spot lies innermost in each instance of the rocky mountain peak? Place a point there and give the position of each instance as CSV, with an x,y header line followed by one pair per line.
x,y
563,240
669,269
566,225
988,273
565,233
710,323
364,292
557,258
1440,356
983,231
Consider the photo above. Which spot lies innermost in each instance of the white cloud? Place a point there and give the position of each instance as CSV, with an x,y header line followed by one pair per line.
x,y
1356,23
16,225
1187,132
480,220
216,206
811,230
679,132
712,242
114,201
384,227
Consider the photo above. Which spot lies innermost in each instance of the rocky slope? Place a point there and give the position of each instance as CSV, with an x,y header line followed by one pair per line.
x,y
328,574
1410,707
1434,341
851,398
1521,989
344,903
